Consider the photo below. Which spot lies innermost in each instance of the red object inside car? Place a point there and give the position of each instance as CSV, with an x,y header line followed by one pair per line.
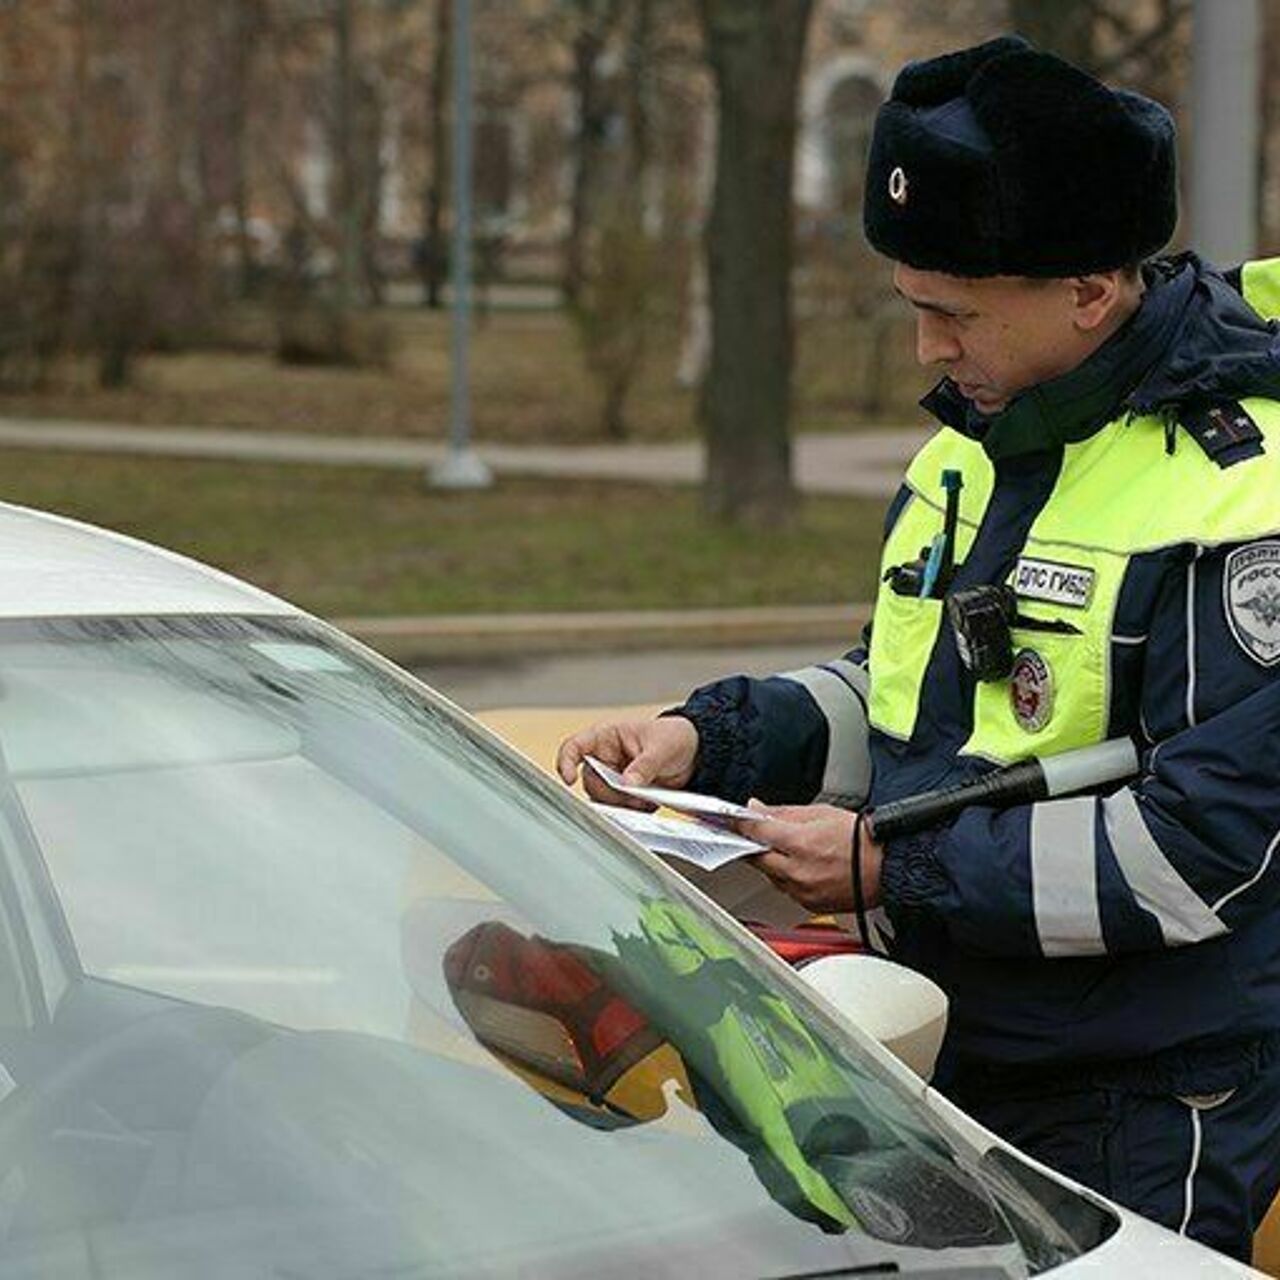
x,y
544,1004
802,943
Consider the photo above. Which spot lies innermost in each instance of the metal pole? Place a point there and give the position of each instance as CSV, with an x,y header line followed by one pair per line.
x,y
1225,71
461,467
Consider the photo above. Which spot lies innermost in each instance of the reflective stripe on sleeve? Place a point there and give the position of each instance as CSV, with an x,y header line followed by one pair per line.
x,y
1064,878
1183,916
840,690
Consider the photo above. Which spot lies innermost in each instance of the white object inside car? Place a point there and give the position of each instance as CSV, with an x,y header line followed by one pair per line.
x,y
901,1009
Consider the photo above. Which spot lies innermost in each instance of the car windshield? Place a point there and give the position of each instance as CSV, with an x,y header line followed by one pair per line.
x,y
304,974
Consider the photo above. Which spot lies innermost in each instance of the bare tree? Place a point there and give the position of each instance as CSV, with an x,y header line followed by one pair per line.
x,y
247,21
349,211
755,49
1142,52
1065,27
593,24
111,255
614,298
1108,37
433,253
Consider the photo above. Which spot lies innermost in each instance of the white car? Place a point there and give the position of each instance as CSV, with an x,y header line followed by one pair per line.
x,y
303,973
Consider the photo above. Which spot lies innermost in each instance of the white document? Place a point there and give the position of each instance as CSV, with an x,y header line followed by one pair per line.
x,y
683,801
705,846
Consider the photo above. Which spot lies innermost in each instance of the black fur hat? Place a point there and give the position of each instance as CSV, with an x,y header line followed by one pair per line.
x,y
1002,160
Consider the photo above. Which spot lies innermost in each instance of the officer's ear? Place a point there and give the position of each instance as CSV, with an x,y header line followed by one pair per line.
x,y
1096,297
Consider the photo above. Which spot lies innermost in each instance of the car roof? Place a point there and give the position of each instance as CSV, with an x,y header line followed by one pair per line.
x,y
54,567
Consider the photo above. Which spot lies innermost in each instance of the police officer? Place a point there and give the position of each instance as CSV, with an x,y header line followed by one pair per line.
x,y
1112,960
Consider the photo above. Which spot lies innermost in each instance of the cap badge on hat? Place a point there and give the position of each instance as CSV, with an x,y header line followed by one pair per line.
x,y
898,186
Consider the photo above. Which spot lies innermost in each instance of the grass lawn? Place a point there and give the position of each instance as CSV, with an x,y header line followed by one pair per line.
x,y
528,384
363,541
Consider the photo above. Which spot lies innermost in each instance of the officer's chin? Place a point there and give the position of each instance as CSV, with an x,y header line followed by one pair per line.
x,y
985,401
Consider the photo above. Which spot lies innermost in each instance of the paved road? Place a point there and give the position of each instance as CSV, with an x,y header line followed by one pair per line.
x,y
868,463
594,680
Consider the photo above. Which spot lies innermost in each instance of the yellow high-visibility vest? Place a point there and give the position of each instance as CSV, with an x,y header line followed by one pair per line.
x,y
1119,493
1260,283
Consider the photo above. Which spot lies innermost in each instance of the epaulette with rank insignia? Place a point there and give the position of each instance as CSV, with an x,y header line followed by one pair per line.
x,y
1223,430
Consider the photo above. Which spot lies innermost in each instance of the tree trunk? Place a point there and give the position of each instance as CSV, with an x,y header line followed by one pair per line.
x,y
756,51
86,204
587,47
614,413
245,29
639,106
1065,27
373,121
433,261
166,179
349,219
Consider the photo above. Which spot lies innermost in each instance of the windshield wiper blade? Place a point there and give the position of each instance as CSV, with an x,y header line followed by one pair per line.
x,y
858,1269
975,1271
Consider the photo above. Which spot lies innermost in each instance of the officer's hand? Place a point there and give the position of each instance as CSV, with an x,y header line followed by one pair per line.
x,y
811,854
648,753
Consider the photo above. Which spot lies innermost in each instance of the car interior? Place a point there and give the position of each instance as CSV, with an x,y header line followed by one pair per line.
x,y
163,1117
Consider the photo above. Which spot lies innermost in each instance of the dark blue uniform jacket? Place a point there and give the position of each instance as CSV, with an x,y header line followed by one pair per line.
x,y
1185,994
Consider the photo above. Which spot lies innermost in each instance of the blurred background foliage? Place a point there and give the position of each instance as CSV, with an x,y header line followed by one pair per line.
x,y
237,212
165,162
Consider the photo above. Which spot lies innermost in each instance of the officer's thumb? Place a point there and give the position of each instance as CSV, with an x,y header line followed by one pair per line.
x,y
641,771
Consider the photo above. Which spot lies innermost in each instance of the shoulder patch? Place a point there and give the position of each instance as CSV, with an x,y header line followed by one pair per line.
x,y
1251,600
1224,431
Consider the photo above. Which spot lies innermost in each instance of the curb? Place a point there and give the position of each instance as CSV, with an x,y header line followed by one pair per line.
x,y
466,637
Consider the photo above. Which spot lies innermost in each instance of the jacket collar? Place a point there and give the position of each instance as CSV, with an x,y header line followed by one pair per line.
x,y
1192,339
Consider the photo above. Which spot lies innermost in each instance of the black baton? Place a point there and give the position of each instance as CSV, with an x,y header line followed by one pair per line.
x,y
1021,783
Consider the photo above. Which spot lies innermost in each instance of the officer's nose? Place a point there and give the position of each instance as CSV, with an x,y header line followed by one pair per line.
x,y
935,344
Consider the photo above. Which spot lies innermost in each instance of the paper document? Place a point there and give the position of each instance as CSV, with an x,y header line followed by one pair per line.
x,y
707,847
684,801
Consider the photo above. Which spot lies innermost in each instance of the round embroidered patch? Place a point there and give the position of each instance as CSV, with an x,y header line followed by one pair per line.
x,y
898,186
1031,690
1251,600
